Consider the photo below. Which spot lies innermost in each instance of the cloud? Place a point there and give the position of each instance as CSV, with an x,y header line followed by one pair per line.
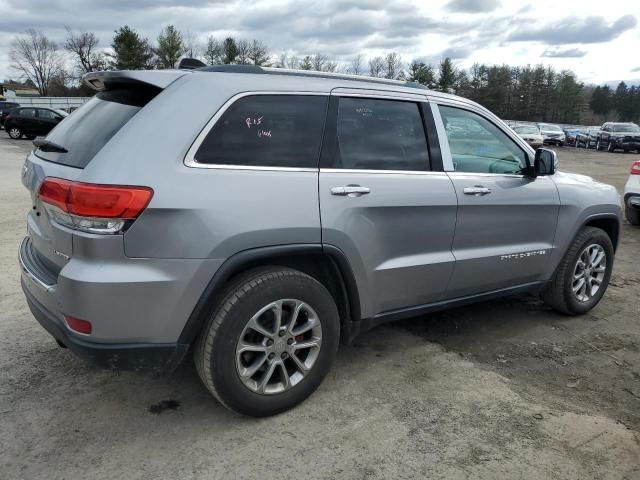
x,y
564,53
456,53
637,69
473,6
591,29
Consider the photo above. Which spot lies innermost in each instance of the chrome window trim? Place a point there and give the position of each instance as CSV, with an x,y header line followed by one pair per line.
x,y
447,159
191,162
380,172
380,94
484,174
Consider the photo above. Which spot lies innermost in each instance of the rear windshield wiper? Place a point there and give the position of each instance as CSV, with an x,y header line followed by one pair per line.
x,y
47,146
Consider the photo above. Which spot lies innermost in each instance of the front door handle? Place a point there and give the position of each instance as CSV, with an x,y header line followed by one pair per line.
x,y
478,191
350,190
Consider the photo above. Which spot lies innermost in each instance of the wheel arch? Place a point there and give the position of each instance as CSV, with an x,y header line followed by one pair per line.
x,y
325,263
610,223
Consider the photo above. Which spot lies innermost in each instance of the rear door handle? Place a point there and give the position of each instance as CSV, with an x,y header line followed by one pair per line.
x,y
478,191
350,190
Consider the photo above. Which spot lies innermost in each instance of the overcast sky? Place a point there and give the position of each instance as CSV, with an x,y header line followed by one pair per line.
x,y
598,39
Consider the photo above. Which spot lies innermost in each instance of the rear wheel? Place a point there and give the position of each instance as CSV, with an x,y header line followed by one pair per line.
x,y
583,274
269,343
15,133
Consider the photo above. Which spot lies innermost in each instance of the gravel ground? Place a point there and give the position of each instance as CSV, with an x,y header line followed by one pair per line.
x,y
503,389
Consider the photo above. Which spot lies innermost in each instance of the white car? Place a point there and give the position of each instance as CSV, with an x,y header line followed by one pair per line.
x,y
552,134
632,195
530,134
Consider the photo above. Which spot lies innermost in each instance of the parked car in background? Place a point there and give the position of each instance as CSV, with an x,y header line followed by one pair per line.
x,y
5,108
32,121
619,136
530,134
552,134
587,137
570,135
632,195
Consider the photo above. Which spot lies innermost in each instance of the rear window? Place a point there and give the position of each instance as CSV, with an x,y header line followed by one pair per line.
x,y
91,126
267,131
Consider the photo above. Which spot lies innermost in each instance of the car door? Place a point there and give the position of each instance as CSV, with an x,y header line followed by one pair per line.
x,y
47,119
28,122
506,221
382,204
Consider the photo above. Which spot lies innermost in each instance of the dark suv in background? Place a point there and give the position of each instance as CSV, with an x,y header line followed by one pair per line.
x,y
5,108
619,136
32,121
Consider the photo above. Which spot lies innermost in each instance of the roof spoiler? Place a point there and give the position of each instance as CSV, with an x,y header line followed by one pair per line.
x,y
107,80
190,64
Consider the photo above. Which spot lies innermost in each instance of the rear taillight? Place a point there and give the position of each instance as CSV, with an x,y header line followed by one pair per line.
x,y
77,325
635,168
105,209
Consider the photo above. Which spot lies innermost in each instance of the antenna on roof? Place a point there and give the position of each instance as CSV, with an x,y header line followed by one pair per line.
x,y
190,64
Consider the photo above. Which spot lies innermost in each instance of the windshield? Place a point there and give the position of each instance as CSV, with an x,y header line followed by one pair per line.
x,y
550,128
527,129
625,127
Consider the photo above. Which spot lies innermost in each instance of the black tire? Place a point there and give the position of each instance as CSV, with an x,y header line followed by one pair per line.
x,y
215,349
598,145
611,147
633,215
558,293
15,133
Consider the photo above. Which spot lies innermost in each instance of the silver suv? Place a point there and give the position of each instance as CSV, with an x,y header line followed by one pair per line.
x,y
259,217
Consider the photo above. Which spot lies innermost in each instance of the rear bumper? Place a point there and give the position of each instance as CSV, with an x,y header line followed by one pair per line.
x,y
154,357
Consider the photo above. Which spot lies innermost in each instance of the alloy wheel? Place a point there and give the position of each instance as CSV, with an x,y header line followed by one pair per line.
x,y
15,133
589,272
279,346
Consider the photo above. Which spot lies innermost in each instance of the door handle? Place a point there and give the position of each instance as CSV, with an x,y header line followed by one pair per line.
x,y
478,191
350,190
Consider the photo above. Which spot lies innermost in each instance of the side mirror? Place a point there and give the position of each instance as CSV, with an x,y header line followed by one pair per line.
x,y
545,162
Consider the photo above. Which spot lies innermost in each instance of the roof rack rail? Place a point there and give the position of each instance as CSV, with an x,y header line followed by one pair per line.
x,y
307,73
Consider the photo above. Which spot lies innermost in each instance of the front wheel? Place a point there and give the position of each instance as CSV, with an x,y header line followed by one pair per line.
x,y
270,342
583,274
15,133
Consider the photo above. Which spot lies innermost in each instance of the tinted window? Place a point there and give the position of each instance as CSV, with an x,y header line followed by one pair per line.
x,y
27,112
268,131
90,127
46,114
380,135
478,146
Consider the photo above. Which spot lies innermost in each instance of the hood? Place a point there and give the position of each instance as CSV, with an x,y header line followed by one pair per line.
x,y
575,178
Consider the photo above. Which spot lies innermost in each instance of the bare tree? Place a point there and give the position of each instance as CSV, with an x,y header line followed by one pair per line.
x,y
244,51
259,53
376,67
213,53
318,62
37,58
330,66
192,47
392,65
356,67
84,47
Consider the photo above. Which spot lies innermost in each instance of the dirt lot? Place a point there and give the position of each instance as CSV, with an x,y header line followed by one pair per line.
x,y
505,389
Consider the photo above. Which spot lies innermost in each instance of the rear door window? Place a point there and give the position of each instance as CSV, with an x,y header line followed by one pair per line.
x,y
377,134
84,133
267,131
27,112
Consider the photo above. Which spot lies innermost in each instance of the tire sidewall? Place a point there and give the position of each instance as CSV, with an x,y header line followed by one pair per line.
x,y
577,307
225,377
15,137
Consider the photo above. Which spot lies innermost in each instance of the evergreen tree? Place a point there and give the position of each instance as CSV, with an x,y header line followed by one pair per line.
x,y
170,47
131,51
446,76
